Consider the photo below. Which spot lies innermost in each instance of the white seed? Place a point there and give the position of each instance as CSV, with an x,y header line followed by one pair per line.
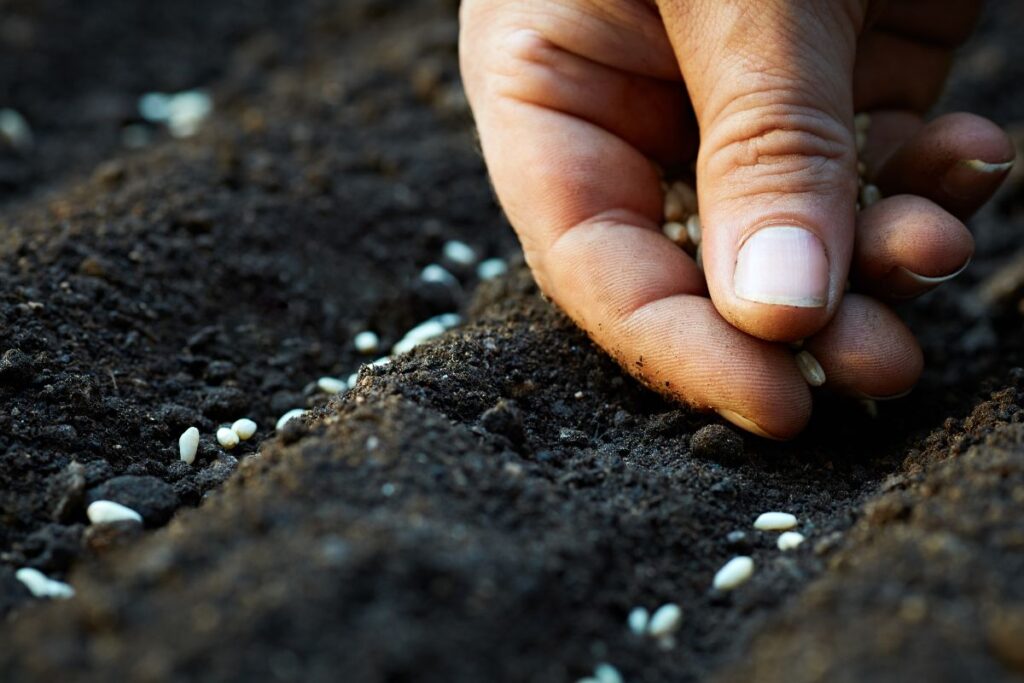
x,y
366,342
227,438
423,332
861,139
665,620
353,379
188,445
775,521
290,415
155,107
15,128
870,194
637,620
244,428
810,368
673,209
491,268
676,232
448,320
790,540
187,110
862,122
588,679
383,360
459,252
687,196
734,573
693,229
107,511
606,673
41,585
331,385
436,273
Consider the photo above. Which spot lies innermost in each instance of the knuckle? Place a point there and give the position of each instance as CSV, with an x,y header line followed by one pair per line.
x,y
780,148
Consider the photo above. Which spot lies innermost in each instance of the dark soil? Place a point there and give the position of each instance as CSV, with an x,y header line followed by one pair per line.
x,y
487,507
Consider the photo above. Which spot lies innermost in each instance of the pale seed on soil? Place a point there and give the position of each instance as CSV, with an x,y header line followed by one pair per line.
x,y
188,444
15,128
638,619
665,621
459,252
290,415
810,368
244,428
734,573
673,208
606,673
436,273
227,438
775,521
42,586
107,512
331,385
491,268
790,540
366,342
423,332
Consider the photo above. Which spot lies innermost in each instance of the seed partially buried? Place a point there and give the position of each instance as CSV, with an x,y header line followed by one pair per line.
x,y
188,445
775,521
42,586
108,512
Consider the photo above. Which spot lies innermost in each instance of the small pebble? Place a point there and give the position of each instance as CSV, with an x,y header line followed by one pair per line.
x,y
775,521
459,252
491,268
107,512
15,128
810,368
331,385
188,445
665,620
790,540
290,415
734,573
227,438
637,620
43,586
606,673
244,428
436,273
367,342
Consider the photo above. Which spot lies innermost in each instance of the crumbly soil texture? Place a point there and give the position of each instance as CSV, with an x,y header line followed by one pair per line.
x,y
488,507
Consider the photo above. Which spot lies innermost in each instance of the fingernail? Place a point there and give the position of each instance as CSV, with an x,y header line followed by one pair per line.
x,y
960,179
905,283
782,265
744,423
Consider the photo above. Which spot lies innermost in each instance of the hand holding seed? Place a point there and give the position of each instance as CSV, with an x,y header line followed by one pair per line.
x,y
589,109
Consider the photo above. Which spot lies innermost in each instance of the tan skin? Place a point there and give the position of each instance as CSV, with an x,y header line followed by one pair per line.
x,y
574,100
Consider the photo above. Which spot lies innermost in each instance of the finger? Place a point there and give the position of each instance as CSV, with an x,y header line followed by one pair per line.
x,y
907,246
958,161
587,207
866,351
776,170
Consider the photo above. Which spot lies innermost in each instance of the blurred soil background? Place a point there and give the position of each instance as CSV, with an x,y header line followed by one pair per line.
x,y
489,506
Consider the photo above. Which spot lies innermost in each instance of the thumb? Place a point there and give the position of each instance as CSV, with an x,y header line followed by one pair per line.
x,y
771,84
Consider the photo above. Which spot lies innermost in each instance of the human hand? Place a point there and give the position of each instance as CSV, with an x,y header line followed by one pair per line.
x,y
579,101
